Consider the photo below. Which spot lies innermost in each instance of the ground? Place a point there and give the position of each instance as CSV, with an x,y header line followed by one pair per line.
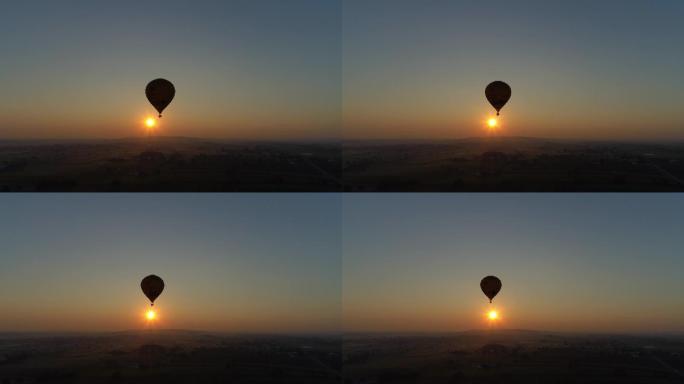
x,y
509,164
168,164
512,357
169,357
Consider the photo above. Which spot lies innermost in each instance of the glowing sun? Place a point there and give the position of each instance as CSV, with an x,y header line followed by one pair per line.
x,y
492,315
492,123
150,122
150,315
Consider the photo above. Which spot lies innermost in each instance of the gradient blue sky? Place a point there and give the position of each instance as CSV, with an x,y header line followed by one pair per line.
x,y
368,262
242,68
239,263
568,262
578,69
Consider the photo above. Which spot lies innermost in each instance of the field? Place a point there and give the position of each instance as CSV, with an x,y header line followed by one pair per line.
x,y
512,357
512,165
167,164
168,357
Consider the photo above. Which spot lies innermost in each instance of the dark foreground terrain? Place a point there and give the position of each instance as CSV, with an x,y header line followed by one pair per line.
x,y
513,164
513,357
168,164
168,357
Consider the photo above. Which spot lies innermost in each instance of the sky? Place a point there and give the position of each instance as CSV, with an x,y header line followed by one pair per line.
x,y
567,262
358,69
578,69
242,68
233,263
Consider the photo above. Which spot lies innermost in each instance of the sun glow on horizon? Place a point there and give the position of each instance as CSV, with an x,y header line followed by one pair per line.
x,y
493,315
150,124
492,124
150,315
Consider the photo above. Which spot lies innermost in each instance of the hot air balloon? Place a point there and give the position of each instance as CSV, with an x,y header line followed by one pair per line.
x,y
160,92
498,93
491,285
152,286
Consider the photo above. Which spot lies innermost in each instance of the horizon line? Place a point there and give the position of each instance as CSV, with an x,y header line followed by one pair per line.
x,y
346,140
151,330
435,333
678,333
234,139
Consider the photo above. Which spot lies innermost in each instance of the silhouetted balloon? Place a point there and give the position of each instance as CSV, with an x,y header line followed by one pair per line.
x,y
491,285
160,93
498,93
152,286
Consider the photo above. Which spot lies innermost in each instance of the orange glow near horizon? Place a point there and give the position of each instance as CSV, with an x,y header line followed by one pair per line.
x,y
150,124
492,124
493,315
150,315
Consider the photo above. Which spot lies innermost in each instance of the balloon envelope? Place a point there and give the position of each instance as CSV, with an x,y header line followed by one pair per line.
x,y
152,286
498,93
160,93
491,285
